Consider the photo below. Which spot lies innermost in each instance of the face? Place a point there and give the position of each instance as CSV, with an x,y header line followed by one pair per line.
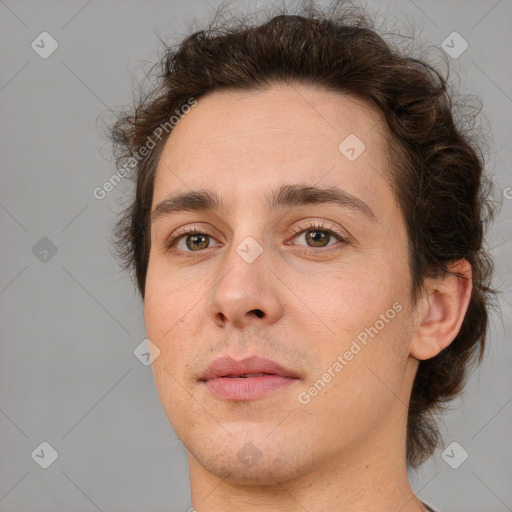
x,y
319,286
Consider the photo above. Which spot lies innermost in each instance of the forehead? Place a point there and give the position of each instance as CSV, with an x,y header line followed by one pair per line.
x,y
243,142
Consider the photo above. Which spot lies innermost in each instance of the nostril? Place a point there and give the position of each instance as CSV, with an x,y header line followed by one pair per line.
x,y
258,313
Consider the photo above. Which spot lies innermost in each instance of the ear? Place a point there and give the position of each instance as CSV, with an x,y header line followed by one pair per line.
x,y
441,310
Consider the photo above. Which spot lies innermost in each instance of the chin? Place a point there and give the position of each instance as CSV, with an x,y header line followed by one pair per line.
x,y
263,474
255,464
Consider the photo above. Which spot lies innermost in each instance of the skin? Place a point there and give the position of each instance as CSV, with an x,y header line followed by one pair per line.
x,y
345,449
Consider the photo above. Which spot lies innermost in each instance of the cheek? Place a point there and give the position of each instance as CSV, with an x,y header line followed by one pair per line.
x,y
353,300
362,313
367,379
164,313
166,304
174,321
164,316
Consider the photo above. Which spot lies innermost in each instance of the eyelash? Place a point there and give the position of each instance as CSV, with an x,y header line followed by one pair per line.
x,y
312,226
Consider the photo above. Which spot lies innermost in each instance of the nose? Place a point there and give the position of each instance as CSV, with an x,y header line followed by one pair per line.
x,y
247,293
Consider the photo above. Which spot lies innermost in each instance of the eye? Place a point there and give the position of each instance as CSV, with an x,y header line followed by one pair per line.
x,y
317,236
191,240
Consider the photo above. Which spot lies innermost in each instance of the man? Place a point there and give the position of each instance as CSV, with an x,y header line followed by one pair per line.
x,y
307,237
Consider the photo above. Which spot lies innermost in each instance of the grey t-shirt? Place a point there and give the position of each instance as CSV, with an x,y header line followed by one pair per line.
x,y
430,509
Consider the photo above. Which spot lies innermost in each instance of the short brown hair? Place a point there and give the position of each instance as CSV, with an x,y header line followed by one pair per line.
x,y
437,165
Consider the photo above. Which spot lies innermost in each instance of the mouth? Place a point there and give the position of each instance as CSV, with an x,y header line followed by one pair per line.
x,y
246,375
248,379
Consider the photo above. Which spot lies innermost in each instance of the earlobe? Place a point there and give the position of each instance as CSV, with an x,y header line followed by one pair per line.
x,y
441,311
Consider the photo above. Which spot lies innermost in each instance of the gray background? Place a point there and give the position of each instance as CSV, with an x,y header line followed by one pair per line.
x,y
70,324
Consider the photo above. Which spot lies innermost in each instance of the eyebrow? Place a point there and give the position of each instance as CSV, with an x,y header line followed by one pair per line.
x,y
285,196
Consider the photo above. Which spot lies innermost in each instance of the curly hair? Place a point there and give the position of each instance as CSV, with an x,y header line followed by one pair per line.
x,y
437,173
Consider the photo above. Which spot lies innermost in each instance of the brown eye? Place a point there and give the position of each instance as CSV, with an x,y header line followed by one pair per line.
x,y
189,241
317,238
197,241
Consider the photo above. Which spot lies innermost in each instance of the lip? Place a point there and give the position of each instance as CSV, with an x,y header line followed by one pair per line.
x,y
239,388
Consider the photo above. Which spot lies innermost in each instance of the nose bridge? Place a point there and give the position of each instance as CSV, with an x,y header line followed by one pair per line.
x,y
248,231
245,292
246,260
